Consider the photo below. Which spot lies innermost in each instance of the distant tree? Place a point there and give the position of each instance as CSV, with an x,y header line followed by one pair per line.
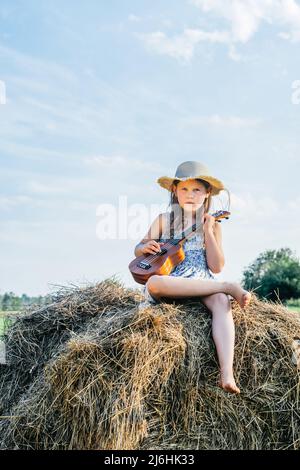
x,y
10,301
25,299
274,274
15,303
6,301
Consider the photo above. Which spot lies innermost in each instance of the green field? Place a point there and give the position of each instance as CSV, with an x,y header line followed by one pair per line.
x,y
294,309
3,321
1,325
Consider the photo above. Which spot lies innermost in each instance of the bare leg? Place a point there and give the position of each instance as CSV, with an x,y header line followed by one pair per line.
x,y
178,287
223,335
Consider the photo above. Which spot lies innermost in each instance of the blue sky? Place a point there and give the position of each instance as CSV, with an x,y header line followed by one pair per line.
x,y
102,98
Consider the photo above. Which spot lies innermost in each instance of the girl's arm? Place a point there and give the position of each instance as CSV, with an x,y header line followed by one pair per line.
x,y
153,233
213,243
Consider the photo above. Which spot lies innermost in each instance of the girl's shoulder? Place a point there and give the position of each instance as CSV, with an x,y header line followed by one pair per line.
x,y
164,221
164,218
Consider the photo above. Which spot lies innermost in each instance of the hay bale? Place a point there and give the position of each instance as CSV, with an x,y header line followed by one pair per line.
x,y
91,371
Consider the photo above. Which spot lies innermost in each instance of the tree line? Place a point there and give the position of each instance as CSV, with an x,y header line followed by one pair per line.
x,y
274,275
12,302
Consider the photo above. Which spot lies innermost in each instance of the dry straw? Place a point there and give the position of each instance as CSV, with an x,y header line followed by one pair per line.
x,y
91,371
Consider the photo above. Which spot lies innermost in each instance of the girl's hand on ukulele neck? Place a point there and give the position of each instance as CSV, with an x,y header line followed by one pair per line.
x,y
151,247
208,222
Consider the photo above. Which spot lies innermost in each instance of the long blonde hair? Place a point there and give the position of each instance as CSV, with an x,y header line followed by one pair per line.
x,y
177,223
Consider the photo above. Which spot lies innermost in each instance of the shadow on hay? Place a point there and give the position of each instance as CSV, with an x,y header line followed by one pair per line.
x,y
91,371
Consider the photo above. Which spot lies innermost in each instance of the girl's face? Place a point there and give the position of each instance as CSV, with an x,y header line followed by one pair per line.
x,y
191,195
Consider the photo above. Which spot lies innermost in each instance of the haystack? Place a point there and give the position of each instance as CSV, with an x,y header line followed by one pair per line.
x,y
91,371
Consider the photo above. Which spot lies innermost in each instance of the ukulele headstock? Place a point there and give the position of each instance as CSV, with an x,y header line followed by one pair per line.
x,y
220,207
219,215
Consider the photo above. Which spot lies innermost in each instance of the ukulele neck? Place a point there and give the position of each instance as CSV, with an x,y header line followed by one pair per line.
x,y
217,215
184,234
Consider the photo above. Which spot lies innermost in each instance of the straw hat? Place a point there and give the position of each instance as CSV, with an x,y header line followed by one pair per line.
x,y
191,170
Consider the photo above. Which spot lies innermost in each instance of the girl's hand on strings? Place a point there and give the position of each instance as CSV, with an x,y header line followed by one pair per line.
x,y
151,247
209,222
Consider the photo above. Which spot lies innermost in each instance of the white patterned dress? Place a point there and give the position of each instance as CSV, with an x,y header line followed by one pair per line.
x,y
194,265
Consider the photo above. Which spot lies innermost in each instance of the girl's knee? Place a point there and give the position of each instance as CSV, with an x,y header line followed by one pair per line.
x,y
220,302
153,284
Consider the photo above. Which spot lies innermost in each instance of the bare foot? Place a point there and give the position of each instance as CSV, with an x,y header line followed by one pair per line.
x,y
227,382
242,296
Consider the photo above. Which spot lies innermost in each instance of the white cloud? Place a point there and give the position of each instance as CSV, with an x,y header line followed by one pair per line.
x,y
182,46
12,203
233,54
8,203
120,162
40,188
246,16
249,207
294,208
50,100
168,23
293,36
37,67
134,18
233,122
59,186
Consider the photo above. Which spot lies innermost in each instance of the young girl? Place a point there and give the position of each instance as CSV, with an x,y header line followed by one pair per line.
x,y
191,191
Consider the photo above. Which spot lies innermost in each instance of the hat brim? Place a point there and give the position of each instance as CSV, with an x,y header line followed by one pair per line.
x,y
217,185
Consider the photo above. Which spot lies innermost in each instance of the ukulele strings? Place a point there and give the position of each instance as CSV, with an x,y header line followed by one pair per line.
x,y
155,257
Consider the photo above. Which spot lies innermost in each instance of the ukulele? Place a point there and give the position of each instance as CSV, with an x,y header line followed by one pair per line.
x,y
170,254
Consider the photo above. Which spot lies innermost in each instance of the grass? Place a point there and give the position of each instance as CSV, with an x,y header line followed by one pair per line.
x,y
1,326
293,305
294,309
4,321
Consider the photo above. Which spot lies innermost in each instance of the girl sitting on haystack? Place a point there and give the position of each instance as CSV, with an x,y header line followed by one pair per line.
x,y
191,191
